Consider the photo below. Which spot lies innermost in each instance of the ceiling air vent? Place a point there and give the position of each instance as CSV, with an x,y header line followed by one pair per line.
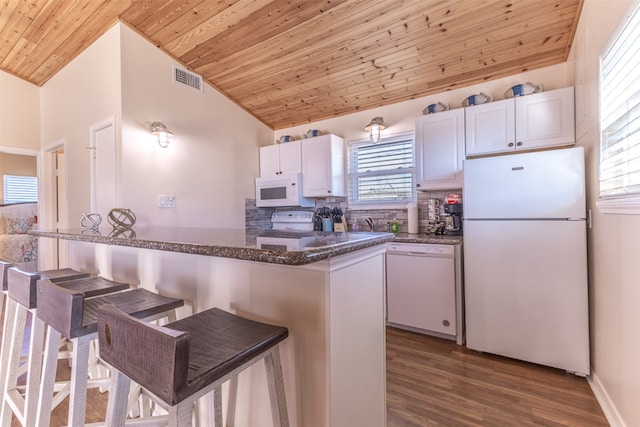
x,y
187,78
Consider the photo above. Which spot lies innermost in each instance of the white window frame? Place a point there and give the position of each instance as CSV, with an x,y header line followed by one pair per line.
x,y
352,176
30,182
621,202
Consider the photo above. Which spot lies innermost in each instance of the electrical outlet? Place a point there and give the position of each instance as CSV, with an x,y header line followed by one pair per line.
x,y
166,201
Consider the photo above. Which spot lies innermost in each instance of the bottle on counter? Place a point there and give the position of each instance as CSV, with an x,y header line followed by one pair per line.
x,y
393,227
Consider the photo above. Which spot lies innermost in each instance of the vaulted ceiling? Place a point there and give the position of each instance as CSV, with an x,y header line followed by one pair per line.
x,y
289,62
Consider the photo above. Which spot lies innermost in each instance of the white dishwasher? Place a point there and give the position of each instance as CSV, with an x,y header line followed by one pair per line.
x,y
424,289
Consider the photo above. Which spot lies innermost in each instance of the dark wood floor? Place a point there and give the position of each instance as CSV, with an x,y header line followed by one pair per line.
x,y
434,382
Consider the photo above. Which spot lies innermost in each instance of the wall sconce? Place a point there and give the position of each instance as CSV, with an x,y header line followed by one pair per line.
x,y
374,128
163,134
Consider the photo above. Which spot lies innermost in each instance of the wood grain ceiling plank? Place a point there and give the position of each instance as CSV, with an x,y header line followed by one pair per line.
x,y
15,18
194,36
360,70
73,41
306,47
68,22
260,26
360,67
151,16
359,46
43,35
404,84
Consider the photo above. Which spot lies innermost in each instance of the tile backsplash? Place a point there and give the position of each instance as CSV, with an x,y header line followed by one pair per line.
x,y
261,217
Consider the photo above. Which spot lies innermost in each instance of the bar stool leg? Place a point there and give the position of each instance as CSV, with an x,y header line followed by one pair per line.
x,y
34,372
276,388
45,400
118,397
78,392
9,318
231,403
13,325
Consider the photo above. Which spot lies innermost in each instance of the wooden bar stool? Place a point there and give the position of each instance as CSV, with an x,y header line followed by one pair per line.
x,y
22,301
71,314
182,361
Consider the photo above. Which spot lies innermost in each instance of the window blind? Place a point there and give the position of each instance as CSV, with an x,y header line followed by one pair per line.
x,y
383,172
620,112
20,188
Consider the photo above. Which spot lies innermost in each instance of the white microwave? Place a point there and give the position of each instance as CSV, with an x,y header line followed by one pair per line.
x,y
284,190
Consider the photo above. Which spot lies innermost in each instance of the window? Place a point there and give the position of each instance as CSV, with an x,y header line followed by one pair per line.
x,y
20,189
620,120
382,174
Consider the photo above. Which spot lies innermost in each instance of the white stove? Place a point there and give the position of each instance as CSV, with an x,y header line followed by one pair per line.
x,y
295,227
292,221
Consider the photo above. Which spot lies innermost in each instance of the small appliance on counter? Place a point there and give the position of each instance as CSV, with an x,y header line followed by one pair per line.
x,y
453,214
453,219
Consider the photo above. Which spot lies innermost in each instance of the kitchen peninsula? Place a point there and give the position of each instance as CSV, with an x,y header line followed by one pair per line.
x,y
327,288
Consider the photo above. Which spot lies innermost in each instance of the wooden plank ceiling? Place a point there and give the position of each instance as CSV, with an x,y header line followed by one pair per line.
x,y
290,62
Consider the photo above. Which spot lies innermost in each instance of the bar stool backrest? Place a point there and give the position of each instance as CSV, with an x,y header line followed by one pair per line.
x,y
4,270
154,357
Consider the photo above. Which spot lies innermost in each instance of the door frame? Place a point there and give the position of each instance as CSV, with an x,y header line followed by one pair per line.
x,y
51,254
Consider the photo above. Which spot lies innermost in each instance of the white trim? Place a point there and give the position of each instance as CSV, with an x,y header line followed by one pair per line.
x,y
610,412
629,205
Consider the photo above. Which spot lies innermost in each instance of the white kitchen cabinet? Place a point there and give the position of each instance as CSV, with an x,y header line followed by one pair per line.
x,y
440,150
323,169
278,159
528,122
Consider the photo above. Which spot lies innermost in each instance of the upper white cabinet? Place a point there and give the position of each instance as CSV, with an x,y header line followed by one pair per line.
x,y
544,119
281,159
323,171
440,150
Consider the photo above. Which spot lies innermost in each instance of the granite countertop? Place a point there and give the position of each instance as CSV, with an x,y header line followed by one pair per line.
x,y
275,247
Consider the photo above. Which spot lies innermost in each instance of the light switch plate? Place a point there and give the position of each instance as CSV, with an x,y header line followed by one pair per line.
x,y
166,201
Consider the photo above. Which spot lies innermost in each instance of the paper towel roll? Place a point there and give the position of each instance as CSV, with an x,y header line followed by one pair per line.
x,y
412,215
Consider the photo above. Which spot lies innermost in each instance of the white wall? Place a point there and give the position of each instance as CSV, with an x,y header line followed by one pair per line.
x,y
84,92
613,242
19,113
212,161
401,117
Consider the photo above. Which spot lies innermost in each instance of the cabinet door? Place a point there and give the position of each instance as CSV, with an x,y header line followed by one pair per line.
x,y
440,150
291,157
489,128
270,160
280,159
545,119
323,166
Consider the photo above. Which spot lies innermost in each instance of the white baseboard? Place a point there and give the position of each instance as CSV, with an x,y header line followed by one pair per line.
x,y
609,409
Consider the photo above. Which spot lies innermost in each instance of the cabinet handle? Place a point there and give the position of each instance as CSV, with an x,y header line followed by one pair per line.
x,y
511,144
418,185
329,191
519,144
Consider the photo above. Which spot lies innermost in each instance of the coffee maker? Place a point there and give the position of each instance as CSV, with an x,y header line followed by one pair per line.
x,y
453,219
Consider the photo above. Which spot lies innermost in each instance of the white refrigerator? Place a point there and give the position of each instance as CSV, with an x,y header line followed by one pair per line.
x,y
525,258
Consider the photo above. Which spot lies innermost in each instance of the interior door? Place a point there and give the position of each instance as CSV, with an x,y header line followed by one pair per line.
x,y
104,195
